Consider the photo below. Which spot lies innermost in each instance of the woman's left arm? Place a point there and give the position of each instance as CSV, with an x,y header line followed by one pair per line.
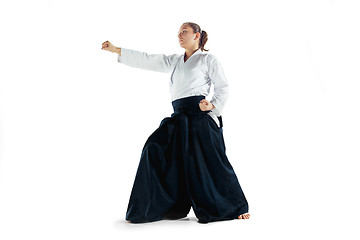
x,y
221,86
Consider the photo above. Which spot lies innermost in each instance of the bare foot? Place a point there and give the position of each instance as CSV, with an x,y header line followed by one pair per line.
x,y
244,216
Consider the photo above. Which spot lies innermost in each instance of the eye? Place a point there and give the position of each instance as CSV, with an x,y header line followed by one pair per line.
x,y
183,31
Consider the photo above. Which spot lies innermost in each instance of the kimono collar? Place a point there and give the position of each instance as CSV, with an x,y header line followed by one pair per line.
x,y
195,53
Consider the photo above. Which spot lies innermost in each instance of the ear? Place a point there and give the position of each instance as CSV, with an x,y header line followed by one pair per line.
x,y
196,35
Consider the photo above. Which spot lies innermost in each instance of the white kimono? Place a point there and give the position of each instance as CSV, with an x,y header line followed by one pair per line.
x,y
189,78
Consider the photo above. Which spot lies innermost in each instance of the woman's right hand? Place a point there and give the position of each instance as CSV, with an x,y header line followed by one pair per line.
x,y
109,47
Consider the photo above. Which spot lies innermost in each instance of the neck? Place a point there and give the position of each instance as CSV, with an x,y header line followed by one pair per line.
x,y
190,51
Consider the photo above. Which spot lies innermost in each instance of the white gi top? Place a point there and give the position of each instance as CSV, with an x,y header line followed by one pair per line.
x,y
189,78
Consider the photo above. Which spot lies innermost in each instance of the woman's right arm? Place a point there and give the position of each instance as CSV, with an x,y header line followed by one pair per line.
x,y
143,60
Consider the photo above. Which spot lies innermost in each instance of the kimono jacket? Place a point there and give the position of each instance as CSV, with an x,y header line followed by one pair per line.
x,y
188,78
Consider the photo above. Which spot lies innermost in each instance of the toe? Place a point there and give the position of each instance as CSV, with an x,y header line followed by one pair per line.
x,y
244,216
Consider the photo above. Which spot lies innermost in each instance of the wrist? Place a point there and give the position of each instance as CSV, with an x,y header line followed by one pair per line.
x,y
118,50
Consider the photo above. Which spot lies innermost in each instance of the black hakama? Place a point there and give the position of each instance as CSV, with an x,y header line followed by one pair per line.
x,y
183,164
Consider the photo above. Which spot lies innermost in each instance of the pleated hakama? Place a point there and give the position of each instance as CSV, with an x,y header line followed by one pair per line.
x,y
183,164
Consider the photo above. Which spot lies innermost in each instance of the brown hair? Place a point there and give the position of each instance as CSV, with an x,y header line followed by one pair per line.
x,y
203,35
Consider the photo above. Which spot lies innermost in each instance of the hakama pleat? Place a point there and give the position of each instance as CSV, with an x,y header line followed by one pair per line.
x,y
183,164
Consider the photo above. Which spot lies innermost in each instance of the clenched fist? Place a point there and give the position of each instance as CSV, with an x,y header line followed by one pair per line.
x,y
108,46
205,105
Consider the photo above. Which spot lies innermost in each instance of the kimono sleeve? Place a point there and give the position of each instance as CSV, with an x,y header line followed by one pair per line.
x,y
143,60
221,87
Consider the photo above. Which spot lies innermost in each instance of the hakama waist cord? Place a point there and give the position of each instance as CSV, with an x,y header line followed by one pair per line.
x,y
183,164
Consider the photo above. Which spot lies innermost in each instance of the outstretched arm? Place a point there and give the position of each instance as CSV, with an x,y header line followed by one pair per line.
x,y
143,60
133,58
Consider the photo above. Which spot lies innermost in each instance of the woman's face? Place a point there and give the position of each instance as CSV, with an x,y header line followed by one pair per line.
x,y
187,37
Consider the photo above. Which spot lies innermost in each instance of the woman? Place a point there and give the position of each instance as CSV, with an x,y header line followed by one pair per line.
x,y
183,162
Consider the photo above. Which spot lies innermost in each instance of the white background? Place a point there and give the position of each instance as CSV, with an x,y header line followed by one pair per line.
x,y
74,120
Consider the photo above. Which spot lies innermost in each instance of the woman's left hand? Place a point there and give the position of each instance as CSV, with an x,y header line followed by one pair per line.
x,y
205,105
